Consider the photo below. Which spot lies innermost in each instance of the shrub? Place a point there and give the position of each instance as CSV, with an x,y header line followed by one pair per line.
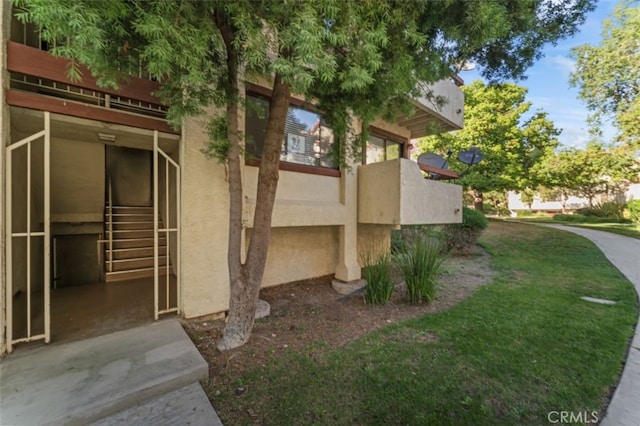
x,y
578,218
401,239
609,209
420,265
377,273
461,236
398,243
634,210
530,214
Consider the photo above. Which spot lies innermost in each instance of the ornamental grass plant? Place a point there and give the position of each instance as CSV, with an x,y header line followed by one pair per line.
x,y
377,272
419,266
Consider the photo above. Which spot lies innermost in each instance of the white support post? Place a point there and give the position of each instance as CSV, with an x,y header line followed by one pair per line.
x,y
155,226
178,242
47,227
9,250
167,225
29,241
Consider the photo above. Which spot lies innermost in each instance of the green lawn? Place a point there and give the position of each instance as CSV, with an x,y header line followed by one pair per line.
x,y
628,230
517,349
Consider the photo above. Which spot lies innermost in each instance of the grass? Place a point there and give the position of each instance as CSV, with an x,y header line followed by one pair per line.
x,y
517,349
627,229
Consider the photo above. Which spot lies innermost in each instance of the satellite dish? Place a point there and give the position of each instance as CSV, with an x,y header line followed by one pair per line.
x,y
470,157
433,160
465,66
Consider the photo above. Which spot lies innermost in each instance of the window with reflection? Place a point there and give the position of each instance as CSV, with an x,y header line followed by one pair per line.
x,y
307,140
382,149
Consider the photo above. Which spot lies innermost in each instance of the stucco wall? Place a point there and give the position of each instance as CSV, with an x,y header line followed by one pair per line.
x,y
452,110
130,171
395,193
426,201
301,199
299,253
392,128
77,181
204,224
373,239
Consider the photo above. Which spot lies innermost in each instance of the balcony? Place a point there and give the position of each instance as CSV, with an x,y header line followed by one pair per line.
x,y
396,193
38,80
430,117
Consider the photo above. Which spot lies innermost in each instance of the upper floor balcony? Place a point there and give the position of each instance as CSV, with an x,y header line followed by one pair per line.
x,y
39,80
440,109
395,192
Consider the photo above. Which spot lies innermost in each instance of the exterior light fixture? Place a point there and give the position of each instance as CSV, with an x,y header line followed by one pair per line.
x,y
106,137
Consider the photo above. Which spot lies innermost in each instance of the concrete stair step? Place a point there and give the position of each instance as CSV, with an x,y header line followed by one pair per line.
x,y
130,210
122,226
124,243
128,234
132,217
136,263
132,274
83,382
132,253
186,406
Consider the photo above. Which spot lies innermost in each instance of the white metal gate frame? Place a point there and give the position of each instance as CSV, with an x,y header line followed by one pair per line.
x,y
158,156
46,235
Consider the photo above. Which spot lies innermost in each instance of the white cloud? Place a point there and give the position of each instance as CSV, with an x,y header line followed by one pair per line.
x,y
562,63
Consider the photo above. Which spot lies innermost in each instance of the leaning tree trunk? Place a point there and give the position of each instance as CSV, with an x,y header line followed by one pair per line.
x,y
478,201
245,286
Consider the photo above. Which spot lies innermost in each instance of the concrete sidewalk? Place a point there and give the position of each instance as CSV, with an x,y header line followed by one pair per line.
x,y
624,253
143,376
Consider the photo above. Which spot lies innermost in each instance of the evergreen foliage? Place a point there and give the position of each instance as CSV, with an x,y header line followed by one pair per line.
x,y
461,236
513,148
634,210
608,75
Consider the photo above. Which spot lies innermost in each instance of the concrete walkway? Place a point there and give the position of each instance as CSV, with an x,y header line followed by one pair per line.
x,y
624,253
143,376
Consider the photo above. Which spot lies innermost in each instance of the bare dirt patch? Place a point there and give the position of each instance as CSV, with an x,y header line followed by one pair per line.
x,y
309,315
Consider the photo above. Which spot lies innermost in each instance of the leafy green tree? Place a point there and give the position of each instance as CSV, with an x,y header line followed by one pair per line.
x,y
362,58
608,75
589,172
512,149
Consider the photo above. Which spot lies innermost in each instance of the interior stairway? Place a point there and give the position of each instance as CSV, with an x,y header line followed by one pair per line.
x,y
131,255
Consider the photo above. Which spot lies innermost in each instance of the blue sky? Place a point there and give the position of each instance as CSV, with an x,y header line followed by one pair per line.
x,y
548,81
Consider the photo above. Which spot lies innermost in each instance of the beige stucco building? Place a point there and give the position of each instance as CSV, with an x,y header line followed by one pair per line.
x,y
102,204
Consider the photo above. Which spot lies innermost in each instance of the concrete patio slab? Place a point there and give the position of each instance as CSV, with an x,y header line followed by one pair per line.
x,y
186,406
84,381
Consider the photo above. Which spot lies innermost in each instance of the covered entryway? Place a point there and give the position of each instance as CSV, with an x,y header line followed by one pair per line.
x,y
93,214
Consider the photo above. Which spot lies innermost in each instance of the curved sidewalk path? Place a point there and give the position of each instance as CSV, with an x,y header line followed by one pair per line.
x,y
624,253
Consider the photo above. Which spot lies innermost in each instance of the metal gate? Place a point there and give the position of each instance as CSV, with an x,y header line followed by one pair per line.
x,y
28,238
166,206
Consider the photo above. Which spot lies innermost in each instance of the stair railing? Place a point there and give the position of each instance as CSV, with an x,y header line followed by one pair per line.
x,y
110,222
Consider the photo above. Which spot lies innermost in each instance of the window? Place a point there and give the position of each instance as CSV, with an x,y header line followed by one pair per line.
x,y
382,149
306,140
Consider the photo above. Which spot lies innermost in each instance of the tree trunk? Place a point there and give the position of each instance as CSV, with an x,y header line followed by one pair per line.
x,y
478,201
245,286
